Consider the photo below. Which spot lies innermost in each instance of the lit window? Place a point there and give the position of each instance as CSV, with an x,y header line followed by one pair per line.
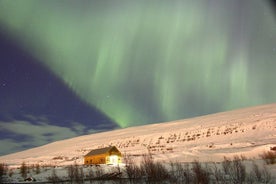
x,y
114,159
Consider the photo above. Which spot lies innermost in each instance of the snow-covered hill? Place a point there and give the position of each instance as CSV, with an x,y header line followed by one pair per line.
x,y
248,132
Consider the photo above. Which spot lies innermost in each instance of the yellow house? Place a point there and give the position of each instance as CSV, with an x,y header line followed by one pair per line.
x,y
108,155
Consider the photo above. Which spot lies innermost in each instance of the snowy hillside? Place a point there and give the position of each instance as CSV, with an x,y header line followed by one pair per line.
x,y
248,132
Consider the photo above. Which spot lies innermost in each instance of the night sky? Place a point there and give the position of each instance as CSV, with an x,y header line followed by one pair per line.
x,y
70,68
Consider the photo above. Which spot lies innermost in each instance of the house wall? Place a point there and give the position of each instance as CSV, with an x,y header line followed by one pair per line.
x,y
95,159
101,159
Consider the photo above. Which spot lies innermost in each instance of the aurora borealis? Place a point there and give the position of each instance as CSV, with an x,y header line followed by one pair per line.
x,y
142,62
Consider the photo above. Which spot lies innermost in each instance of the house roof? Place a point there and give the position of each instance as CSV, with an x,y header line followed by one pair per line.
x,y
101,151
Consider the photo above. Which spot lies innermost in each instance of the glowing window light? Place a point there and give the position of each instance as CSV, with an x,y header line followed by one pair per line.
x,y
114,159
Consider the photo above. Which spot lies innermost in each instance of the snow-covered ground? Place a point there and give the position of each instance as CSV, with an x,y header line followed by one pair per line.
x,y
248,132
104,173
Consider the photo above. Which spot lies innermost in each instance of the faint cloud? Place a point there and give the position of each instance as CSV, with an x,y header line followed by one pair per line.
x,y
37,119
9,145
36,134
91,131
78,127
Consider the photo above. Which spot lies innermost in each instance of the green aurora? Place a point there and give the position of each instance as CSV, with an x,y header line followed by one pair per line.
x,y
151,61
